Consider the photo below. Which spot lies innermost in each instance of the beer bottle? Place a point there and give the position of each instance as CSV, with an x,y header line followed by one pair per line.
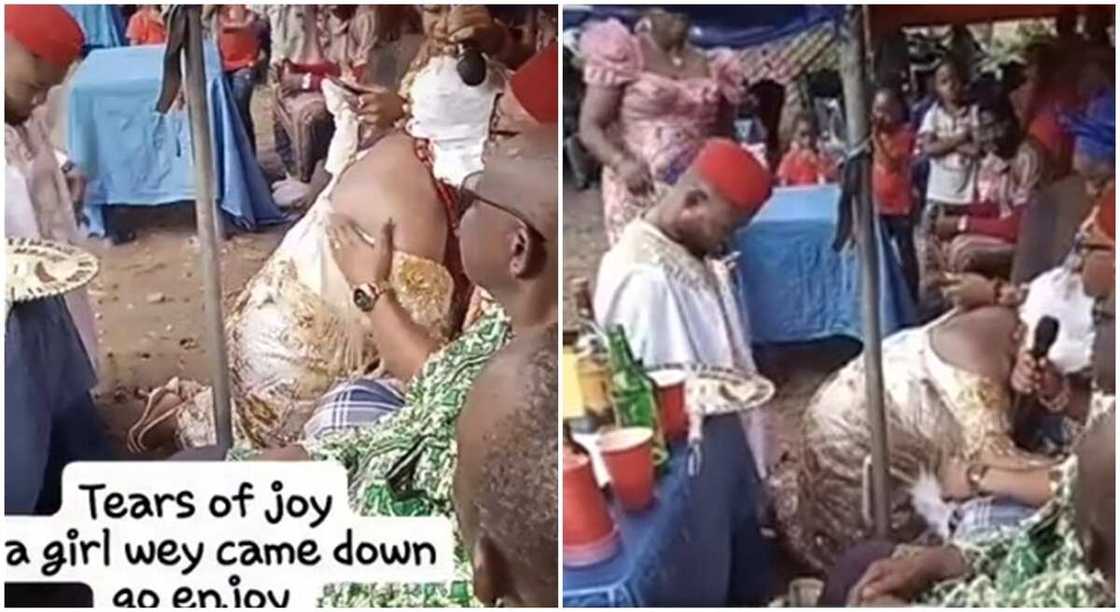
x,y
592,356
633,392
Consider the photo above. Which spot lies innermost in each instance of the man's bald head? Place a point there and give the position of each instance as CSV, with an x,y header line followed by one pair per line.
x,y
1095,497
522,172
505,476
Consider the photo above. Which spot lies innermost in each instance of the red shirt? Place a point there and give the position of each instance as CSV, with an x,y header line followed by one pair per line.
x,y
890,174
239,46
146,28
804,167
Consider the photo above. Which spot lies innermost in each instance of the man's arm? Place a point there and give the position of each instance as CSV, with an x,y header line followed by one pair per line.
x,y
403,345
928,141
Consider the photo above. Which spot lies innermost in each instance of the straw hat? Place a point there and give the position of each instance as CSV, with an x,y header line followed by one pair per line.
x,y
39,269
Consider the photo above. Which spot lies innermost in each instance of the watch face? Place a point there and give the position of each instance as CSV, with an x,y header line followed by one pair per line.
x,y
363,300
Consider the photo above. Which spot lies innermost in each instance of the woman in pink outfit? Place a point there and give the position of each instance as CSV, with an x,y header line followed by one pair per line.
x,y
652,98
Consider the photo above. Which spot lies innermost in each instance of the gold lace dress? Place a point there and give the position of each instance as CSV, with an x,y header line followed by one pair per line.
x,y
934,411
294,332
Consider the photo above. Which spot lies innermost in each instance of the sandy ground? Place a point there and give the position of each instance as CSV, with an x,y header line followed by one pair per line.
x,y
149,300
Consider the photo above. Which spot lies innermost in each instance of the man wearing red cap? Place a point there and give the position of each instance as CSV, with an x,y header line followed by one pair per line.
x,y
50,343
42,187
662,281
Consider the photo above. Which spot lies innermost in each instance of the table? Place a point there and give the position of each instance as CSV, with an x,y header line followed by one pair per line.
x,y
796,288
102,24
135,156
698,545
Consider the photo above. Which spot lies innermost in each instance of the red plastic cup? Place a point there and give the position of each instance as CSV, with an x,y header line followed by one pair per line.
x,y
586,519
628,454
671,403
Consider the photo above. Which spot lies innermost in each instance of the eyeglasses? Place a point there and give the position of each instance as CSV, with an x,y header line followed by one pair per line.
x,y
468,197
497,130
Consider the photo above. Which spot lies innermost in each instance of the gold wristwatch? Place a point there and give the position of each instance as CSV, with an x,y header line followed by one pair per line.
x,y
366,295
975,475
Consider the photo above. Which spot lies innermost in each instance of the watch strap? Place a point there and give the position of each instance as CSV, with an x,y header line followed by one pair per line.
x,y
975,476
374,290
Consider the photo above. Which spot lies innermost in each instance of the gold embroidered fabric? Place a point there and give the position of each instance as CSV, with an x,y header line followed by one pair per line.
x,y
650,246
934,411
288,346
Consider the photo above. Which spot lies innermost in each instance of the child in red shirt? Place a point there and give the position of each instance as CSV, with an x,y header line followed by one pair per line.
x,y
146,27
893,143
240,47
803,164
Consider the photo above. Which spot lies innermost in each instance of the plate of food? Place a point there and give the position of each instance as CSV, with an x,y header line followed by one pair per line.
x,y
714,390
40,269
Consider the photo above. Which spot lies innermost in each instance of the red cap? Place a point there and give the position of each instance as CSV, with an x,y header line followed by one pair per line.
x,y
47,30
534,84
734,173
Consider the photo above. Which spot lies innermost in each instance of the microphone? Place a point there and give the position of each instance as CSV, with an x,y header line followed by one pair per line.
x,y
471,65
1026,418
1045,333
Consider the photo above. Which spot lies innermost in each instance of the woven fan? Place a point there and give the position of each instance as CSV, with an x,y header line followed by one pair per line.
x,y
40,269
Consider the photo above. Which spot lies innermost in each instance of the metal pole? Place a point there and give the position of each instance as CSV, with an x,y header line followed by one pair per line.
x,y
206,218
852,70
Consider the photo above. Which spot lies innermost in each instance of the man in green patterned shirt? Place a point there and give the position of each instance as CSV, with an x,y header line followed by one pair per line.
x,y
1063,556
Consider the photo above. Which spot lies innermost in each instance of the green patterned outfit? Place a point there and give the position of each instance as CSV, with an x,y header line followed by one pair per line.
x,y
425,431
1039,564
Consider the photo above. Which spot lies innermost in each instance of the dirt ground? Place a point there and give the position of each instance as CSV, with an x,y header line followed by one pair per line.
x,y
149,301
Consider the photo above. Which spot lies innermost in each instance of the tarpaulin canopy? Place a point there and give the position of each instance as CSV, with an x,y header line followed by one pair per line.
x,y
884,18
722,25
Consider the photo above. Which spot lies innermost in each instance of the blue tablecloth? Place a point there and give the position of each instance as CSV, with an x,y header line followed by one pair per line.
x,y
796,288
102,24
135,156
698,545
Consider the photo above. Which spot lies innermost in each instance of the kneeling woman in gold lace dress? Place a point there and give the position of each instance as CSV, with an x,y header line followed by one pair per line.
x,y
947,397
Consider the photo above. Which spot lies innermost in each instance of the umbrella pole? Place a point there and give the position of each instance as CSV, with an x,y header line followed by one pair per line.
x,y
206,217
852,71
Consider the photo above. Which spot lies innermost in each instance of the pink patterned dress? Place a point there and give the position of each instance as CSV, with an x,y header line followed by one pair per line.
x,y
661,121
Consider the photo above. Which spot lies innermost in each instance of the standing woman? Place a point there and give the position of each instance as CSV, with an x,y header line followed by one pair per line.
x,y
652,98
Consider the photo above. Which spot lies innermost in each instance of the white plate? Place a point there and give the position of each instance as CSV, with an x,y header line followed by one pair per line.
x,y
713,390
39,269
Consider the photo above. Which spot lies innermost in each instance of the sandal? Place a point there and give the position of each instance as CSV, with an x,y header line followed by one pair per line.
x,y
136,433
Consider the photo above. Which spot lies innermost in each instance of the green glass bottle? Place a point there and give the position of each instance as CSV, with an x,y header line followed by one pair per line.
x,y
633,392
